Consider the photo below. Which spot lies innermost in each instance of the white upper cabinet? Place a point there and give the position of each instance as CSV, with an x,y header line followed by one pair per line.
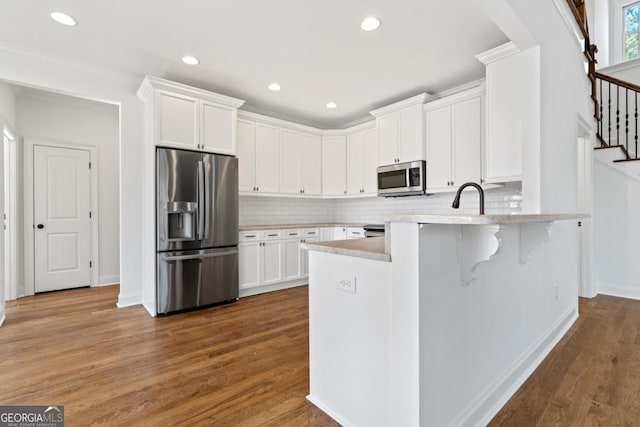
x,y
311,160
185,117
334,166
290,179
246,155
454,140
401,131
267,159
362,161
512,91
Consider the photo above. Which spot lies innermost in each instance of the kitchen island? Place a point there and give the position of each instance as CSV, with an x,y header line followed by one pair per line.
x,y
443,321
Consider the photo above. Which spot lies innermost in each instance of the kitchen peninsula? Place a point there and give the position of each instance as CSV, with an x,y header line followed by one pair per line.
x,y
443,321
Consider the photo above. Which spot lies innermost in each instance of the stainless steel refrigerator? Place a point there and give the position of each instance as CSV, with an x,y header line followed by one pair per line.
x,y
197,229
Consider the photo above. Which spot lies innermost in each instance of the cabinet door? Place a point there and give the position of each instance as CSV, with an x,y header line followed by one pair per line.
x,y
290,162
249,264
311,160
246,155
411,134
304,256
466,141
292,265
334,166
339,233
271,261
387,139
217,128
326,234
370,155
354,164
438,123
267,159
177,120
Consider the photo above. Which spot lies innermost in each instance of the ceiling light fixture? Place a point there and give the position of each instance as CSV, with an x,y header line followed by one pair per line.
x,y
190,60
332,105
274,87
371,23
63,18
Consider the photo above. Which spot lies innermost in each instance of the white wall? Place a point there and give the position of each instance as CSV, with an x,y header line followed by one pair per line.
x,y
79,121
8,104
103,85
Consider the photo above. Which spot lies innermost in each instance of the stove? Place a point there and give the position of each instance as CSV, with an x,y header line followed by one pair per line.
x,y
374,230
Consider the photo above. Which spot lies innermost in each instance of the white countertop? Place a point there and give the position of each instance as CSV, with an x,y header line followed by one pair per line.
x,y
467,219
371,248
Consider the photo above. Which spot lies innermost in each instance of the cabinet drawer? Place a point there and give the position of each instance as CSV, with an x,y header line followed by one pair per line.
x,y
250,236
271,234
311,232
355,233
291,234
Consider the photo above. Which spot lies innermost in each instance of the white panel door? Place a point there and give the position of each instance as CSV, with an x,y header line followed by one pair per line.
x,y
177,117
3,282
216,128
267,159
290,162
271,261
370,150
249,264
410,134
466,141
62,202
438,124
311,160
246,155
292,266
388,139
334,166
355,165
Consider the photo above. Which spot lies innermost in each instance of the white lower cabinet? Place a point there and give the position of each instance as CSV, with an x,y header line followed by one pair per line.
x,y
339,233
355,233
273,259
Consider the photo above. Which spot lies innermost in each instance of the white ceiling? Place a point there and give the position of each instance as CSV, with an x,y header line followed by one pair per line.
x,y
314,49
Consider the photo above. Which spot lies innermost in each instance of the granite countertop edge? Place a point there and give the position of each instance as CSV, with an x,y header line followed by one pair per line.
x,y
372,248
292,226
488,219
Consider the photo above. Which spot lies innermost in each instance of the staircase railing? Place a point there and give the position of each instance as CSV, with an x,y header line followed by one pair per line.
x,y
617,118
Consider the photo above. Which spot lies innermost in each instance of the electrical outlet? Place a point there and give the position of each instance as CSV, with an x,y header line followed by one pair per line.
x,y
347,285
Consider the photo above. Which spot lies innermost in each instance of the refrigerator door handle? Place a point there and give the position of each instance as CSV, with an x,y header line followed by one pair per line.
x,y
200,193
208,210
198,256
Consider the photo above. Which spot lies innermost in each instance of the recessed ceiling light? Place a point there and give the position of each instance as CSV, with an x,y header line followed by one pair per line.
x,y
332,105
274,87
190,60
63,18
371,23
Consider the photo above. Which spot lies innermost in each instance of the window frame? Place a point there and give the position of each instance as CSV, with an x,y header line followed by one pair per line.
x,y
616,23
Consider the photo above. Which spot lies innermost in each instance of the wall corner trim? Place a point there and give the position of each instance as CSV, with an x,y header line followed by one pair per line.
x,y
498,53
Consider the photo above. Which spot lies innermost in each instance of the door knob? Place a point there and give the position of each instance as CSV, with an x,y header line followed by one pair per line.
x,y
40,226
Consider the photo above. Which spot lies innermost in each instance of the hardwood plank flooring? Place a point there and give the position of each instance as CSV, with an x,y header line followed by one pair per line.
x,y
591,378
242,364
246,364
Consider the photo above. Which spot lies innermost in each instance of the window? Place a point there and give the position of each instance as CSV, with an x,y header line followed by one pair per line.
x,y
631,31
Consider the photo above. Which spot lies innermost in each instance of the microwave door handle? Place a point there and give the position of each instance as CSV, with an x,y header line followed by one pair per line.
x,y
200,194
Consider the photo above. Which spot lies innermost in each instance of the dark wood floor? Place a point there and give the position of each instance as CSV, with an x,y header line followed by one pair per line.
x,y
246,364
243,364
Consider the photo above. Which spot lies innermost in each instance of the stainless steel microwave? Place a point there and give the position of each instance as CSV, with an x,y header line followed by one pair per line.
x,y
402,179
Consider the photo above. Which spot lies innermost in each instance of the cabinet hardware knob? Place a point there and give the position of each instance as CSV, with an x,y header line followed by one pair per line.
x,y
481,181
257,188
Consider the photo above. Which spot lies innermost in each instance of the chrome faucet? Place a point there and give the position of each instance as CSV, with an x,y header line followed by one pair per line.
x,y
456,201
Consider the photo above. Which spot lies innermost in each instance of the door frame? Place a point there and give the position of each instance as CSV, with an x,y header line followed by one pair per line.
x,y
29,245
11,259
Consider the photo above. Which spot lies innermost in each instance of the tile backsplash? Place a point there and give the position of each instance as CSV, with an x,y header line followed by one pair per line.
x,y
282,210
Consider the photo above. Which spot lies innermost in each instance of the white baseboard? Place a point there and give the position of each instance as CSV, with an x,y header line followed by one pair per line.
x,y
488,403
129,300
151,311
324,408
617,290
113,279
247,292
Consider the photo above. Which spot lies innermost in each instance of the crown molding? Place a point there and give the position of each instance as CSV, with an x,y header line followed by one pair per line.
x,y
151,82
409,102
273,121
462,93
498,53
